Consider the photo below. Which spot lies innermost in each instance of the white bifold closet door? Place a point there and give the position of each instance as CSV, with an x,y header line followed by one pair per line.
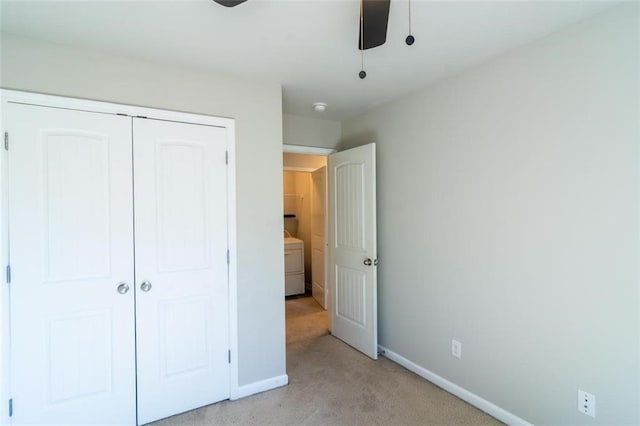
x,y
71,253
118,252
181,261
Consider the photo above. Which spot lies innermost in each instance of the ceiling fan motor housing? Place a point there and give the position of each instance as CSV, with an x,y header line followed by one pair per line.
x,y
373,25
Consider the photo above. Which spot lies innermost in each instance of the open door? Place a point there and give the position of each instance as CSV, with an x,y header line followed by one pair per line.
x,y
319,236
353,249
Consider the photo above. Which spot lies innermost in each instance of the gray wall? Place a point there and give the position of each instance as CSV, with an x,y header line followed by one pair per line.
x,y
257,108
307,131
508,220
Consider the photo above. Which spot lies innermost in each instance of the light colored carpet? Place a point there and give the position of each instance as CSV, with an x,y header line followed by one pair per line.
x,y
332,384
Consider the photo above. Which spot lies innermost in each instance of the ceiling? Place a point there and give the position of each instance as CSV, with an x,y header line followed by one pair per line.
x,y
308,46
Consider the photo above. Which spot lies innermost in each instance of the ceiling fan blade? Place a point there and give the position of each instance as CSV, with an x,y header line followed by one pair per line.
x,y
229,3
373,26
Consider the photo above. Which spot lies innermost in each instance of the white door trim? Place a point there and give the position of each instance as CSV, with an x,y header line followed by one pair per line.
x,y
5,349
14,96
309,150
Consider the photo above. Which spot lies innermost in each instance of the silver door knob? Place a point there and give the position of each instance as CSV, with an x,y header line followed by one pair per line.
x,y
368,262
123,288
145,286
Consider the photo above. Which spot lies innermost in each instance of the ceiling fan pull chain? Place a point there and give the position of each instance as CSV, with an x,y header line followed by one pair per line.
x,y
362,74
410,39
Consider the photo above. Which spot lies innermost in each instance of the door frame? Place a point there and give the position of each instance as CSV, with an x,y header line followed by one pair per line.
x,y
319,151
307,150
30,98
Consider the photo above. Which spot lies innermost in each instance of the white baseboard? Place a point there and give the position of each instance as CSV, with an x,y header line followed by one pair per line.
x,y
470,397
261,386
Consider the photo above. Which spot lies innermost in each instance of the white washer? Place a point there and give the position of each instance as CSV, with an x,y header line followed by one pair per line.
x,y
293,266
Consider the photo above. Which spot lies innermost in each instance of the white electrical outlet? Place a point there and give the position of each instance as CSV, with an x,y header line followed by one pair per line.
x,y
456,349
586,403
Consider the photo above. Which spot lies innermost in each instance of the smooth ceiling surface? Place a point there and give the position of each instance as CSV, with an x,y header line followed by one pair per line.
x,y
308,46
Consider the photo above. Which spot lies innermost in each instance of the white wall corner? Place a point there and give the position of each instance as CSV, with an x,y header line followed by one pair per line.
x,y
462,393
260,386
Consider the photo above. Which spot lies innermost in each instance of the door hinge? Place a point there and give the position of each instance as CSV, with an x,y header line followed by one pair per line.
x,y
8,276
228,257
6,141
229,353
11,407
226,157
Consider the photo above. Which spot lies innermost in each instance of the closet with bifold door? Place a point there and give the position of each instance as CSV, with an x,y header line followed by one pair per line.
x,y
118,239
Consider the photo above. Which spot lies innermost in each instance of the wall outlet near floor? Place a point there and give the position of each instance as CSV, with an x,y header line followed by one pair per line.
x,y
586,403
456,348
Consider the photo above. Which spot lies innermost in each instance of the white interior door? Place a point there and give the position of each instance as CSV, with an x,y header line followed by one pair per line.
x,y
353,250
181,266
318,235
71,248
